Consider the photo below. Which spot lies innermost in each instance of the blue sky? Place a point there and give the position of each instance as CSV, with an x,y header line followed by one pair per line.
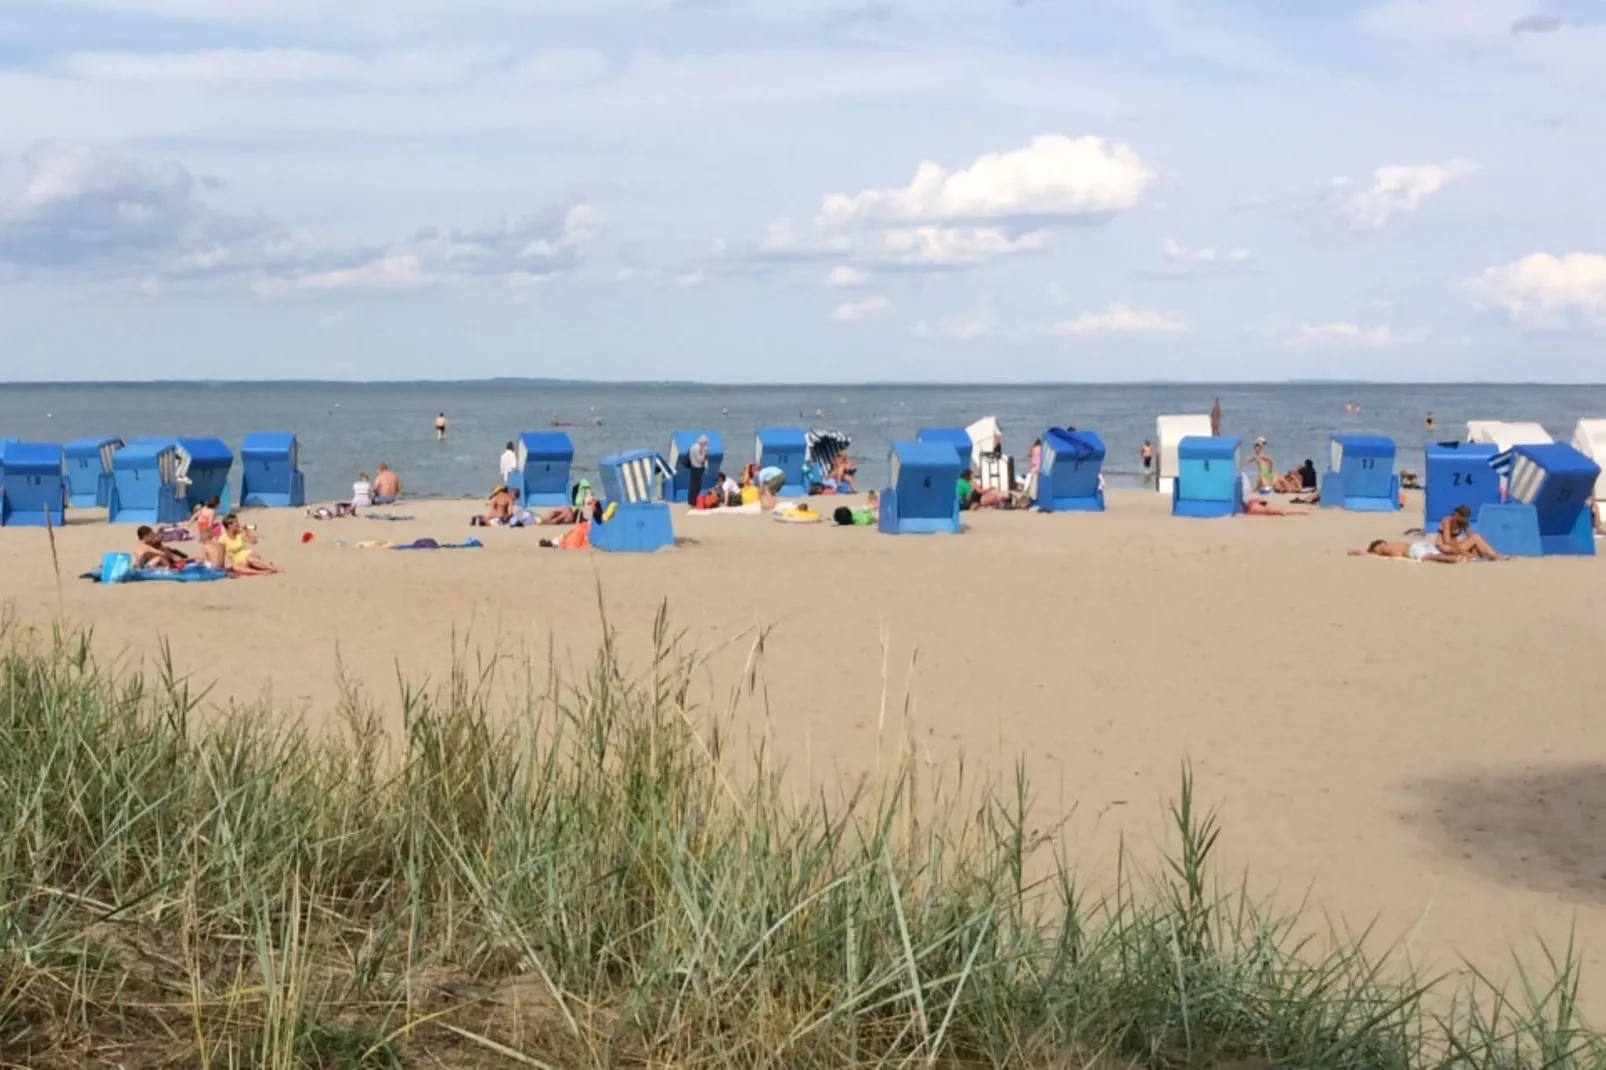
x,y
803,190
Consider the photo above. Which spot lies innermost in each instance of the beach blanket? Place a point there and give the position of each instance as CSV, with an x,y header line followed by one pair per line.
x,y
194,574
794,513
387,516
431,544
753,509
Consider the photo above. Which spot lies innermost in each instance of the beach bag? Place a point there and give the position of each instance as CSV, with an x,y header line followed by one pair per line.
x,y
114,567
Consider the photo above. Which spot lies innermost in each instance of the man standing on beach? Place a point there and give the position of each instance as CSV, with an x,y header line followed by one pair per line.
x,y
696,464
1215,419
509,463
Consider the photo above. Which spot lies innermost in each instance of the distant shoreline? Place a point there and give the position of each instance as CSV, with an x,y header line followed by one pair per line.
x,y
1211,384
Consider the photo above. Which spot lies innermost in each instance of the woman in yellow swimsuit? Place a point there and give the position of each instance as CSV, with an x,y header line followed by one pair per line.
x,y
238,544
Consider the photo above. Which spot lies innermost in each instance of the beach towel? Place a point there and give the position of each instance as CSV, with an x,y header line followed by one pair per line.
x,y
387,516
192,574
431,544
794,513
751,509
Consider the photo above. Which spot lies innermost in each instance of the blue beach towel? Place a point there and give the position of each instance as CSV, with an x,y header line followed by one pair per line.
x,y
119,572
431,544
386,516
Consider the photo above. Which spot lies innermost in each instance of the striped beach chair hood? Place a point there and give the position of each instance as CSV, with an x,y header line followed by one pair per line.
x,y
823,447
639,475
1503,463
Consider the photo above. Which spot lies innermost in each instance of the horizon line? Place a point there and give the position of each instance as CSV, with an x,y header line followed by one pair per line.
x,y
547,381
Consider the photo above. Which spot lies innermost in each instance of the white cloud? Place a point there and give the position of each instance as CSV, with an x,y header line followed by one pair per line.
x,y
518,252
1053,177
1541,290
1398,189
854,311
961,330
1180,260
846,277
1003,204
923,247
1339,333
77,206
83,210
1120,319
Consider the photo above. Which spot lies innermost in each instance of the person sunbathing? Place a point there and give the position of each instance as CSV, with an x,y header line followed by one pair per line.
x,y
1258,506
151,552
1455,536
1410,551
239,544
563,514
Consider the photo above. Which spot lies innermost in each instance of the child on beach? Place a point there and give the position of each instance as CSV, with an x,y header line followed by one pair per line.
x,y
205,517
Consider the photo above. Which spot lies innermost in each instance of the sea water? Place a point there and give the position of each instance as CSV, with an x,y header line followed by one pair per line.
x,y
348,428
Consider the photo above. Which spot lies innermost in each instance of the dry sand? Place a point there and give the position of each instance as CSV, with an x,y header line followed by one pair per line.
x,y
1421,745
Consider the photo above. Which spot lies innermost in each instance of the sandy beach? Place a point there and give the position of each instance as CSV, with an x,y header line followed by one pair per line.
x,y
1416,745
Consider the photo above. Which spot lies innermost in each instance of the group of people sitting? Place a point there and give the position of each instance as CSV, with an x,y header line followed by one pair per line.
x,y
384,489
1454,543
502,509
226,545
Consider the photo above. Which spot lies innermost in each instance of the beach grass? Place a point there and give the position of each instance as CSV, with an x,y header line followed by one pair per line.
x,y
609,874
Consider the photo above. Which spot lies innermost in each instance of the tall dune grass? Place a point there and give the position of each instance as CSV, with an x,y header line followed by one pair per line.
x,y
591,880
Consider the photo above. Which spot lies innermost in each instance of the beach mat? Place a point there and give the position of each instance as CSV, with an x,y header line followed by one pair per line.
x,y
188,575
431,544
386,516
753,509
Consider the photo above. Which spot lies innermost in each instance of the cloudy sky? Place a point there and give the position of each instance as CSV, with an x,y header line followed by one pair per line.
x,y
803,190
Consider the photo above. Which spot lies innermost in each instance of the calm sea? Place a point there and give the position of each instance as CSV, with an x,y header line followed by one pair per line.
x,y
345,428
